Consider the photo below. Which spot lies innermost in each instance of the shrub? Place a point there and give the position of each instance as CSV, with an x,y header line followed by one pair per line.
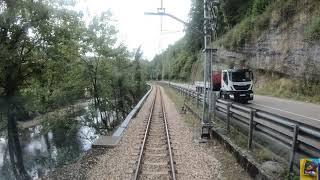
x,y
239,35
312,31
262,22
287,9
259,6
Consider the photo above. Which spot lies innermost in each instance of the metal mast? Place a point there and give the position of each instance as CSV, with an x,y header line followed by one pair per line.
x,y
210,14
209,27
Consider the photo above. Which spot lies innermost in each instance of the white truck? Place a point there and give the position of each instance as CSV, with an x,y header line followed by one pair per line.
x,y
235,84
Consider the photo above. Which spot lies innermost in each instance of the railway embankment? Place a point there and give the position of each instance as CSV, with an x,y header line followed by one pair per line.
x,y
193,158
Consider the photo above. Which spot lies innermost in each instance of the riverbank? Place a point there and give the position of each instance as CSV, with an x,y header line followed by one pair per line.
x,y
53,140
69,110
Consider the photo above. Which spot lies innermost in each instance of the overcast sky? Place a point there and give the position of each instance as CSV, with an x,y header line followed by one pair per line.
x,y
137,29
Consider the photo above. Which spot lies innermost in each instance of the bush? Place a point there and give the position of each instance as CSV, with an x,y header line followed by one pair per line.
x,y
239,35
312,31
286,10
262,22
259,6
287,87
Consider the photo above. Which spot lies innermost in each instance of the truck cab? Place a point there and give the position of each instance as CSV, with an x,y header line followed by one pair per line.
x,y
237,84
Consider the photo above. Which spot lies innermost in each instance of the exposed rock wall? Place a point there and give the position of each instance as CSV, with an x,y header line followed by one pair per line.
x,y
282,49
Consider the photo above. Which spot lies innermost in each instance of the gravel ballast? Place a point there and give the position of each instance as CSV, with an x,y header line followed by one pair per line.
x,y
193,160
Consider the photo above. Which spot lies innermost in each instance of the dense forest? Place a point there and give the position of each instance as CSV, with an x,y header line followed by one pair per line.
x,y
51,57
276,38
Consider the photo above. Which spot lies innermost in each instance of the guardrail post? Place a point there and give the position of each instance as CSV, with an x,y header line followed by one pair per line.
x,y
187,93
214,105
228,117
251,126
198,99
193,97
293,147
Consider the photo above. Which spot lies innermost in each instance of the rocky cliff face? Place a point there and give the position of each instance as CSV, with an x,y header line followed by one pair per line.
x,y
282,49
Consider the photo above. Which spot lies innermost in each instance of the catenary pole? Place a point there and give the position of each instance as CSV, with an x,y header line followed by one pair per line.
x,y
209,28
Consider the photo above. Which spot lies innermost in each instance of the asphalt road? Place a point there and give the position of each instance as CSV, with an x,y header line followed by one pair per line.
x,y
300,111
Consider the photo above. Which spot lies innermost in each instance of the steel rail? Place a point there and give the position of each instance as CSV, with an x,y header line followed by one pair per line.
x,y
137,172
173,172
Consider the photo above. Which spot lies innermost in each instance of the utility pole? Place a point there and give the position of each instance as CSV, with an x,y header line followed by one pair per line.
x,y
210,14
209,27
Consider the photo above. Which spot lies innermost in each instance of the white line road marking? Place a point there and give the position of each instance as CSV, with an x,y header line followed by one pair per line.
x,y
287,112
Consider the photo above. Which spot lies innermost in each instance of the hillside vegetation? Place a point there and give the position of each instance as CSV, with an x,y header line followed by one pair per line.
x,y
276,37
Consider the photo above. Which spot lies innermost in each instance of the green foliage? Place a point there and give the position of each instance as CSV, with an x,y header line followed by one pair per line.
x,y
234,11
299,89
262,22
52,56
239,35
259,6
177,61
245,18
193,39
263,155
312,30
286,9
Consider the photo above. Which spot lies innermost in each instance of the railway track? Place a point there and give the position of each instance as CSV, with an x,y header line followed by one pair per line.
x,y
155,159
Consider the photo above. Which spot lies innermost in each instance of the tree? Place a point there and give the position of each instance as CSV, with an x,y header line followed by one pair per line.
x,y
97,48
138,78
29,37
49,55
235,10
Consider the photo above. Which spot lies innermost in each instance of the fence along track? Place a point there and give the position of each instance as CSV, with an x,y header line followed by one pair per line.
x,y
300,139
155,150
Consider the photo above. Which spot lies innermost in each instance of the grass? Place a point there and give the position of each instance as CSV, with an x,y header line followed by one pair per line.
x,y
288,88
239,35
179,100
262,15
263,155
175,97
312,30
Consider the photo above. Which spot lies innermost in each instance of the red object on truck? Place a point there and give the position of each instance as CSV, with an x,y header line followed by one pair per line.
x,y
216,80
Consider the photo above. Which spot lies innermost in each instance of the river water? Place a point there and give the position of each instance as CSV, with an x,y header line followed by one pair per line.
x,y
43,151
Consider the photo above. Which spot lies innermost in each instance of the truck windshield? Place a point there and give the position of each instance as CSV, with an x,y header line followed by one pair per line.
x,y
241,76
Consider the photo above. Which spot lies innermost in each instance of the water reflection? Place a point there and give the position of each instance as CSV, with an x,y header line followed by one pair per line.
x,y
43,150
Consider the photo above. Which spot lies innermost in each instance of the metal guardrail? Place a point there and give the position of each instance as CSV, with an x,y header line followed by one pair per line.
x,y
298,137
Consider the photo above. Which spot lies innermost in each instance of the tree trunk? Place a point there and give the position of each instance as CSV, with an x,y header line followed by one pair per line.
x,y
14,145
